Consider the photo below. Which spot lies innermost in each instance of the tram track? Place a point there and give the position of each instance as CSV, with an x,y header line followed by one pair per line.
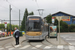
x,y
35,46
7,42
42,42
31,45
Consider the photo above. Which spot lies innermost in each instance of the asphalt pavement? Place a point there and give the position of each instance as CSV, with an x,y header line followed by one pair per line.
x,y
39,45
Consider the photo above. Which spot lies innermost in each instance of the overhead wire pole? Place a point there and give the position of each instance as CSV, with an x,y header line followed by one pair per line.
x,y
25,23
19,13
10,17
19,19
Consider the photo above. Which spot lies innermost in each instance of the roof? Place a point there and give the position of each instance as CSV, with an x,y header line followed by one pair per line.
x,y
34,16
63,13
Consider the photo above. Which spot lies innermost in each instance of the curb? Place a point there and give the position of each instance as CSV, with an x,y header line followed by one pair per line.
x,y
59,44
5,38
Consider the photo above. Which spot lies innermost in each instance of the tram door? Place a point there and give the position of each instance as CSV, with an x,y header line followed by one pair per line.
x,y
37,29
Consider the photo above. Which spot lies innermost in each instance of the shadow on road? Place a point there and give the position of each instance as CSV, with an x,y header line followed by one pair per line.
x,y
35,40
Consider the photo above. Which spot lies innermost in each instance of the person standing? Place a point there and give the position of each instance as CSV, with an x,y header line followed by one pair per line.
x,y
16,35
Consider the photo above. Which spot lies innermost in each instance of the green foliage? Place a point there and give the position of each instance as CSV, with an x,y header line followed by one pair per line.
x,y
31,13
63,26
2,27
72,28
49,18
12,27
56,22
23,22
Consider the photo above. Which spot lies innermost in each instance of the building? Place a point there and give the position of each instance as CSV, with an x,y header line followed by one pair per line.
x,y
65,17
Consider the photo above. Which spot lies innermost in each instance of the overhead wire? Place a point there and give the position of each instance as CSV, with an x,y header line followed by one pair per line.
x,y
37,4
13,5
3,7
39,9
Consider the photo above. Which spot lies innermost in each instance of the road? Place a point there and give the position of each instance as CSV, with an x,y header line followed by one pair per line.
x,y
40,45
4,44
70,38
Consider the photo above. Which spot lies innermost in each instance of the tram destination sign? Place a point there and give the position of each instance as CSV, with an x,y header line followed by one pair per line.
x,y
33,18
53,31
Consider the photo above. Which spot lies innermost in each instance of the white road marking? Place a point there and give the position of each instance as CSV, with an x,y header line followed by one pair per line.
x,y
11,48
17,46
34,48
73,43
70,39
1,48
38,46
47,47
25,47
60,46
8,46
71,47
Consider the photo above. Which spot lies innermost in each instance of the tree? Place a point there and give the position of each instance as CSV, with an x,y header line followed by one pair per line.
x,y
49,18
56,21
31,13
23,22
2,27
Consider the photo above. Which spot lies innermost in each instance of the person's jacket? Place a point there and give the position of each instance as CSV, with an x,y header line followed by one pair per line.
x,y
16,33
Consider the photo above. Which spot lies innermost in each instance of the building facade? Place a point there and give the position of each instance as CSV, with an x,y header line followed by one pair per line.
x,y
65,17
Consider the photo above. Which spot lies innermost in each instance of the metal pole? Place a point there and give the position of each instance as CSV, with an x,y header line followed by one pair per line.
x,y
10,17
25,23
59,30
19,19
48,30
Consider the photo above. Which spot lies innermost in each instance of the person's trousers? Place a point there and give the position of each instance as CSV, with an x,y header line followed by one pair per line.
x,y
17,41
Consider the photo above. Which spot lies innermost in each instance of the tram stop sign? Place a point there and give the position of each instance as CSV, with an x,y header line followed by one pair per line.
x,y
53,31
52,19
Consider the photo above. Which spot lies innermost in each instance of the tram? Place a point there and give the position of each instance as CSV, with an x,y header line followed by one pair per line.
x,y
35,28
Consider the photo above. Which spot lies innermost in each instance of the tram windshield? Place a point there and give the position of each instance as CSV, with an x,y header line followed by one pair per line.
x,y
34,26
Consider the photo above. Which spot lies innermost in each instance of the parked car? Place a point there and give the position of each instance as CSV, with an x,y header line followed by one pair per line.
x,y
2,34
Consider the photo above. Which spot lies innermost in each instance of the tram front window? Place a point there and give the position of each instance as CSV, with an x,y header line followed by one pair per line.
x,y
34,26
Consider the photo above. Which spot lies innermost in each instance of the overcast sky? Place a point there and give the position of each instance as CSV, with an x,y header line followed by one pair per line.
x,y
49,6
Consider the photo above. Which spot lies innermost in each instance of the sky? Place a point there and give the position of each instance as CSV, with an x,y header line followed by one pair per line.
x,y
49,6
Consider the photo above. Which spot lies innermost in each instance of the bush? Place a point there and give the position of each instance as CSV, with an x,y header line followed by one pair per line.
x,y
72,28
63,27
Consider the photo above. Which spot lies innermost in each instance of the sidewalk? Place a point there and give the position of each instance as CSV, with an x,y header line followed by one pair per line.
x,y
20,40
55,41
4,38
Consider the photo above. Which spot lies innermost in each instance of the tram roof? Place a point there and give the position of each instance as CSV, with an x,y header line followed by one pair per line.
x,y
34,16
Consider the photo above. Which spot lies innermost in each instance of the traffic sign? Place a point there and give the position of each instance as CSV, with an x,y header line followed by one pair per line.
x,y
5,22
5,26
